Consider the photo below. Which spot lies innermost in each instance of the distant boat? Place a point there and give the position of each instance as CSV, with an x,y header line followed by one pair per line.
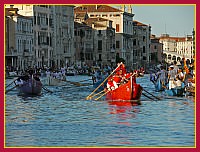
x,y
175,92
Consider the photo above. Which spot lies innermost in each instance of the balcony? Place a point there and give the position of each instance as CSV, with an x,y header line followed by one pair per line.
x,y
11,53
43,45
43,27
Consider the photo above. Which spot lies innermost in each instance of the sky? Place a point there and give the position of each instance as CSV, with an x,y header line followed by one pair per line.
x,y
175,20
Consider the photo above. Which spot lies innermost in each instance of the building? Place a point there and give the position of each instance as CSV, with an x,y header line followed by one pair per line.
x,y
156,50
177,48
19,40
63,35
53,33
141,44
121,22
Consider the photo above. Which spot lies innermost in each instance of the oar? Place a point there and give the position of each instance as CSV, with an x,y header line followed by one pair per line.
x,y
74,83
10,89
96,94
151,94
47,89
85,80
102,82
148,96
101,95
11,83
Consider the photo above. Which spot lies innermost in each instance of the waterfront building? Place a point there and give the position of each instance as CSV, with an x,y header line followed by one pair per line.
x,y
141,44
121,22
19,52
156,50
53,33
177,48
63,35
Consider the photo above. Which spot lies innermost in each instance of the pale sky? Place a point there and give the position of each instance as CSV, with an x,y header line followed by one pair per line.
x,y
175,20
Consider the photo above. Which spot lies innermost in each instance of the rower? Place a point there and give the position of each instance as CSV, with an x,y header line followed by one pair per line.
x,y
110,85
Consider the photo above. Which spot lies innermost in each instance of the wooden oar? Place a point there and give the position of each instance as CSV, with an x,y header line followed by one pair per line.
x,y
11,83
10,89
47,89
151,94
101,95
74,83
85,80
96,94
102,82
148,96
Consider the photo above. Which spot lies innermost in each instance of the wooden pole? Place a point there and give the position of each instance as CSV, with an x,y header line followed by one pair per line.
x,y
102,82
10,89
101,95
96,94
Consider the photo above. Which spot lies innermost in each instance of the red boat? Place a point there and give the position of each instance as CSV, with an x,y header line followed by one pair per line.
x,y
127,91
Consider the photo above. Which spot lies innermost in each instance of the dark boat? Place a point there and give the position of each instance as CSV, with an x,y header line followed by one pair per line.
x,y
30,87
128,91
178,91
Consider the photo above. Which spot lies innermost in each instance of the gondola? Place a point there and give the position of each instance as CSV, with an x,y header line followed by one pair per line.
x,y
31,86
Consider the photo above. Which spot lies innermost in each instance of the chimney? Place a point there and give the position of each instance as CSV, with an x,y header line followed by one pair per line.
x,y
129,9
123,8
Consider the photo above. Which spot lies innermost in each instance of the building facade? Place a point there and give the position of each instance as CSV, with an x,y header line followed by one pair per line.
x,y
141,44
121,22
177,48
19,40
53,33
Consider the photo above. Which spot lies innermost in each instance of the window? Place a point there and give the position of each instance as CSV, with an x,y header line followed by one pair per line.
x,y
143,49
99,44
143,38
99,32
117,44
134,42
117,27
100,57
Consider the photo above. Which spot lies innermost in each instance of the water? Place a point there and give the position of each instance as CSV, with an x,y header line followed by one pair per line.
x,y
65,119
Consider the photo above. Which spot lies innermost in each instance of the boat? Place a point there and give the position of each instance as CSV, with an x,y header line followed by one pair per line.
x,y
30,87
128,91
190,90
178,91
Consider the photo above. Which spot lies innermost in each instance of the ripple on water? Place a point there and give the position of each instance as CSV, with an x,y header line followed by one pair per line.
x,y
66,118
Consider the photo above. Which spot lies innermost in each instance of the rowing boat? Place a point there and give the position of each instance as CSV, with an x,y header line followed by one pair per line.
x,y
30,87
127,91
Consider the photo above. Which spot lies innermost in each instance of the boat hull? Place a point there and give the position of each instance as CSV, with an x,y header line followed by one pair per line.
x,y
175,92
128,91
30,87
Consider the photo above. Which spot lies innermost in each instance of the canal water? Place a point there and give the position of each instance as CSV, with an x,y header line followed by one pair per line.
x,y
65,118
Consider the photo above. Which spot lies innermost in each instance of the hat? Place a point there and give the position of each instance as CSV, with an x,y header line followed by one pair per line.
x,y
171,66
